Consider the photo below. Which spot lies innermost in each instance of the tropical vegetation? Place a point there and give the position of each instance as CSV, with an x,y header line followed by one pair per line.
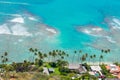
x,y
56,59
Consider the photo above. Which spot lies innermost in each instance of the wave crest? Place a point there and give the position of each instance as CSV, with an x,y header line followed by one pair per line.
x,y
16,3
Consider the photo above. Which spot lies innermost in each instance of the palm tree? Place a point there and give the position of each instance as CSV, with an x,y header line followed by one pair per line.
x,y
94,56
36,60
59,55
57,50
62,57
45,55
5,54
31,50
1,57
75,51
67,55
91,57
35,49
108,50
50,54
54,54
101,57
35,53
4,58
40,55
83,58
63,53
102,50
86,55
74,56
80,51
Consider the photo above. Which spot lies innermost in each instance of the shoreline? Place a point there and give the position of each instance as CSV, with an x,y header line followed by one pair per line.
x,y
99,63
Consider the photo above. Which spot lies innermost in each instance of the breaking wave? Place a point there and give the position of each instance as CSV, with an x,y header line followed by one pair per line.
x,y
16,3
22,32
105,39
93,31
19,26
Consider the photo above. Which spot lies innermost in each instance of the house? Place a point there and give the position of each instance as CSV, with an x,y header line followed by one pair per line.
x,y
114,70
51,70
73,66
96,71
45,71
82,69
77,67
95,68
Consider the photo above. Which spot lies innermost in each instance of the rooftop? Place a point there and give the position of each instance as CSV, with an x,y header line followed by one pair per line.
x,y
95,68
45,70
51,69
73,66
115,70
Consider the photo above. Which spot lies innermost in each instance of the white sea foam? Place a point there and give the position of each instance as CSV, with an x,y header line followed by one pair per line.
x,y
19,30
4,29
97,29
19,35
114,26
110,39
116,21
93,31
99,32
51,30
18,3
16,29
86,31
18,20
32,18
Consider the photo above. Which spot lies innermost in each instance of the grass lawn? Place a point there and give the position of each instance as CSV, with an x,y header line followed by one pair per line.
x,y
56,71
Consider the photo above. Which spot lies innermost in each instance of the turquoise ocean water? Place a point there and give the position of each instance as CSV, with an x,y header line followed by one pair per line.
x,y
62,16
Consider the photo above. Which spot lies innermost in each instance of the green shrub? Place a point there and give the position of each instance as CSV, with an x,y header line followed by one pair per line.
x,y
62,63
87,66
53,64
104,70
39,62
40,69
116,63
63,73
63,69
65,78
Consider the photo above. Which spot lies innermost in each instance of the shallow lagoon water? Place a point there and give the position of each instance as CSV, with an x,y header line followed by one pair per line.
x,y
64,17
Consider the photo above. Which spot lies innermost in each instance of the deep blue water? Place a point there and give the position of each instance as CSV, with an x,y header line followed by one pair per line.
x,y
63,15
